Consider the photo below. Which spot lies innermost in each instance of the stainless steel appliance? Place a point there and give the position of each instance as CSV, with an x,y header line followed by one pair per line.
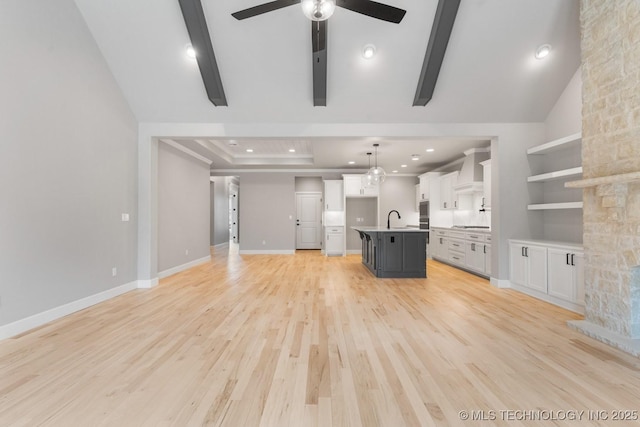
x,y
424,217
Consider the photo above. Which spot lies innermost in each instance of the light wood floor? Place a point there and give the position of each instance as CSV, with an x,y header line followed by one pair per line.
x,y
304,340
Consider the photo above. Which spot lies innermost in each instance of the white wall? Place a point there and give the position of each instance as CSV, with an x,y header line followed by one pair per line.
x,y
398,192
565,118
68,161
183,208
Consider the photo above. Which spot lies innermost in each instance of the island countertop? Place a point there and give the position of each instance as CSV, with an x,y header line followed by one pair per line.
x,y
389,230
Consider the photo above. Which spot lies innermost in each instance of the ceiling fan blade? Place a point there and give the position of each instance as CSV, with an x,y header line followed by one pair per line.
x,y
374,9
319,58
263,8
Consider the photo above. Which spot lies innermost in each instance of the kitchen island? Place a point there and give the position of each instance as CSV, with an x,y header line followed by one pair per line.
x,y
394,252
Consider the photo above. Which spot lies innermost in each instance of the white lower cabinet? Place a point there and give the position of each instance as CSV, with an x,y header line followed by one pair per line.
x,y
468,250
554,271
528,265
334,241
566,274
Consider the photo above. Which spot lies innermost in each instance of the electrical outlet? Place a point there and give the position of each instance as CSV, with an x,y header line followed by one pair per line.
x,y
125,217
114,271
186,251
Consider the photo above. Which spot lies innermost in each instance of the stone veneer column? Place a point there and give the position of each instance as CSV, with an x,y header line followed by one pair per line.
x,y
611,158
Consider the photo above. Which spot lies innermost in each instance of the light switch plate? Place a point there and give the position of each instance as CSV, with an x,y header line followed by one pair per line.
x,y
125,217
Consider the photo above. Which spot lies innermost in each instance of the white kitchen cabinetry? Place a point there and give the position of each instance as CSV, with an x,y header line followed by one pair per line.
x,y
565,173
333,195
566,274
334,240
470,251
418,197
551,271
486,183
424,186
449,198
528,265
353,187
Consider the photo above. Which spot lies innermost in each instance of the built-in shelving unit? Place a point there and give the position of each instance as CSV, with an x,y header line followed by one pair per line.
x,y
552,206
561,174
569,142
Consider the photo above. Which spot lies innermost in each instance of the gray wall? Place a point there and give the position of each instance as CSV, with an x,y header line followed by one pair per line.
x,y
309,184
399,193
219,210
68,162
267,212
565,118
359,208
183,208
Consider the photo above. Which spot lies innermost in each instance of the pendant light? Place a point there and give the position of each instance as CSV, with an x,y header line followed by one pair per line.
x,y
377,174
367,180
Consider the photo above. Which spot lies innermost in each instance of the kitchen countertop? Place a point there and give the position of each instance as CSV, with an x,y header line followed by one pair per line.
x,y
389,230
471,230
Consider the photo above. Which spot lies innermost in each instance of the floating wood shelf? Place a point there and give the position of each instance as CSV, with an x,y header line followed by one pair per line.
x,y
558,144
552,206
566,173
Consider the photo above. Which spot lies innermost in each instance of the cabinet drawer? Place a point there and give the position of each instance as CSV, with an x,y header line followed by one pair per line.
x,y
334,229
475,237
441,233
456,258
487,238
456,246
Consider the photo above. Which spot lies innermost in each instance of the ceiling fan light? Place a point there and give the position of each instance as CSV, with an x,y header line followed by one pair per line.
x,y
318,10
368,51
190,51
543,51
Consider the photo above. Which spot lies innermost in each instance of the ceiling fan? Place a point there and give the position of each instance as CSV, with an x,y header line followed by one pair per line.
x,y
318,11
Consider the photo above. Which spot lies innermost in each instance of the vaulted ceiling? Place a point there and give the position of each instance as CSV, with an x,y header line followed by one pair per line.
x,y
489,73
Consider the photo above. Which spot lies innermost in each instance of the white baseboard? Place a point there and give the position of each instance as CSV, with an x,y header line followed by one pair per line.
x,y
267,252
147,283
354,251
500,283
177,269
23,325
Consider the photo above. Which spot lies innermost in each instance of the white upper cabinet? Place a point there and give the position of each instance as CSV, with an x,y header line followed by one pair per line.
x,y
333,195
449,198
354,187
424,187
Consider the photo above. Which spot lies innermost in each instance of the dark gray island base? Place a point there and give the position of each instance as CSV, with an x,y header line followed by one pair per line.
x,y
396,252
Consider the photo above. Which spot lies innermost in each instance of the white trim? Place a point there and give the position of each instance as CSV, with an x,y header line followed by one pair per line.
x,y
576,308
178,268
31,322
147,283
500,283
228,171
185,150
267,252
220,245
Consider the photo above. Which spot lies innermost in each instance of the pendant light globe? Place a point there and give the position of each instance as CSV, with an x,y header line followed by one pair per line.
x,y
376,174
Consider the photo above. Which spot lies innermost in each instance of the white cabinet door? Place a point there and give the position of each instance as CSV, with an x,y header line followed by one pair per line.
x,y
352,185
474,256
333,242
424,188
333,196
517,264
445,192
560,274
566,274
537,268
417,198
487,259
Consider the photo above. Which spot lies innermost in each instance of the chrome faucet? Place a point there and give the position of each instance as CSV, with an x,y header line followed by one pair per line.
x,y
389,218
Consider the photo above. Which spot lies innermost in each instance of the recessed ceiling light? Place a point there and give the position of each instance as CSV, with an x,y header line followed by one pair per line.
x,y
543,51
368,51
403,166
249,150
415,157
292,150
352,162
190,51
430,150
394,171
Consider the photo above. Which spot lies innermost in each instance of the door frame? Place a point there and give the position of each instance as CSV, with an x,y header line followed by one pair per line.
x,y
320,222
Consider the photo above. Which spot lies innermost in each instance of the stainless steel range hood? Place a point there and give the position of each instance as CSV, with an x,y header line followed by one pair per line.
x,y
470,176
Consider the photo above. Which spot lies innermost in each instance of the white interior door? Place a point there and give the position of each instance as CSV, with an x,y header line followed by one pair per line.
x,y
233,213
308,220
